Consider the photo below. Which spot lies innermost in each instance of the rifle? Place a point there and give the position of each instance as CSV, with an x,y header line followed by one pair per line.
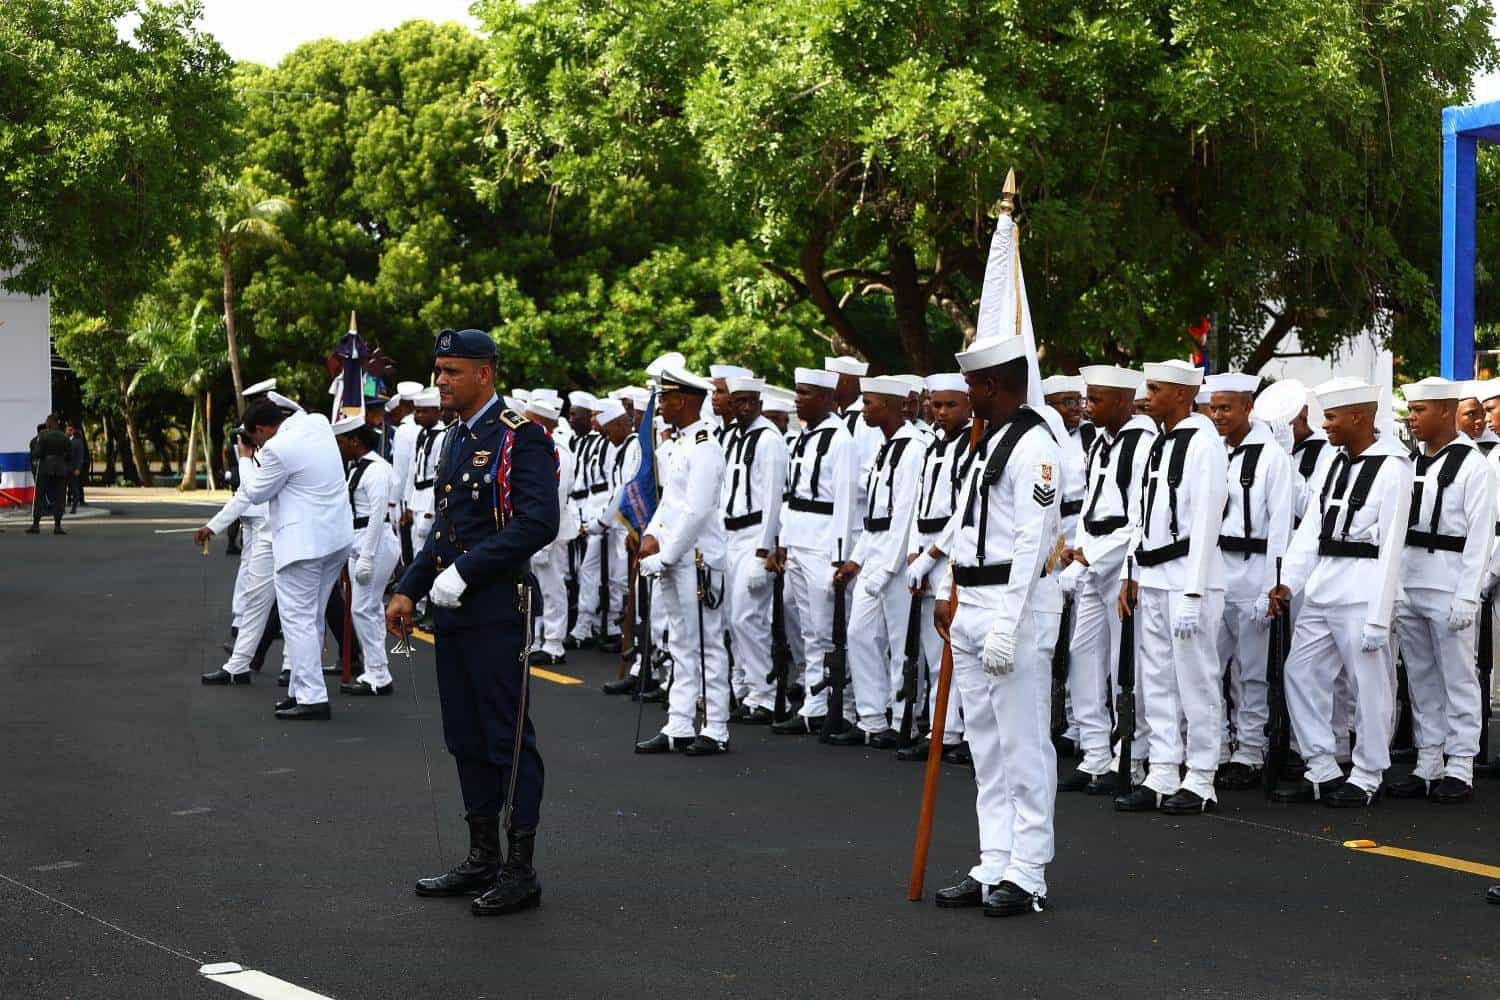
x,y
1125,700
781,650
627,619
1279,725
835,663
643,674
908,692
572,582
1486,668
603,588
705,587
1061,658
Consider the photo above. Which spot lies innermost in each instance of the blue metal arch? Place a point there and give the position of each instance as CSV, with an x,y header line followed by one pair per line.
x,y
1464,127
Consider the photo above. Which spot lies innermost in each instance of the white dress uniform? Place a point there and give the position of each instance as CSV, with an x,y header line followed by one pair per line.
x,y
419,497
550,562
1448,541
1074,460
808,529
1311,458
1002,537
881,605
254,582
620,469
853,475
1256,531
590,486
1176,550
1116,475
403,458
372,482
794,633
300,476
1345,559
750,505
687,524
942,474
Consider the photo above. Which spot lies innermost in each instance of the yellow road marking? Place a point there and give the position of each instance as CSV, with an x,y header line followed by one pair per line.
x,y
545,675
1423,857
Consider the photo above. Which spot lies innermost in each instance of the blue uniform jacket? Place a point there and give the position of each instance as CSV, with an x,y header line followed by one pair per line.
x,y
490,551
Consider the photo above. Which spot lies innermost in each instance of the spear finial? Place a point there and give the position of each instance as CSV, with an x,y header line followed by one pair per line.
x,y
353,326
1008,194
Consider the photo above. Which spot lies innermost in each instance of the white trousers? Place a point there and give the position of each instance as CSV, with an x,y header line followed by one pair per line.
x,y
302,590
421,527
749,617
877,650
1443,683
241,582
809,584
932,653
1326,641
255,590
1244,642
552,623
1181,682
1094,676
588,624
1008,721
677,592
367,610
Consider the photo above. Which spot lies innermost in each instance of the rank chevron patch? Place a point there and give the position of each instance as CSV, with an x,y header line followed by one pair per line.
x,y
1043,495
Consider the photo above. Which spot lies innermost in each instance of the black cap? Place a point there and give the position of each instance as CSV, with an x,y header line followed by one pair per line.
x,y
464,344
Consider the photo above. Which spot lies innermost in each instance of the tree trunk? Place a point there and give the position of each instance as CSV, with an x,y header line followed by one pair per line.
x,y
109,450
910,301
208,462
234,344
811,262
137,448
1269,341
189,462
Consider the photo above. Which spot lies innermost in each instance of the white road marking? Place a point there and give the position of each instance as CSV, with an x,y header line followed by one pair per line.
x,y
255,983
278,770
195,811
57,866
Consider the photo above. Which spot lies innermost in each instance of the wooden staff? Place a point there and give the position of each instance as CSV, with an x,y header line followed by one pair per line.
x,y
345,653
935,738
627,621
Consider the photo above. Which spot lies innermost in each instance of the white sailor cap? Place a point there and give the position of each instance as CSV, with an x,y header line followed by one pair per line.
x,y
638,396
264,385
914,384
609,409
947,382
884,385
1140,390
580,400
822,378
1342,391
346,425
672,359
393,402
522,394
1204,397
1432,389
1488,389
550,395
728,372
1055,384
1111,377
280,401
547,409
406,390
777,404
1232,382
1174,372
845,365
428,398
1471,389
678,379
990,352
746,383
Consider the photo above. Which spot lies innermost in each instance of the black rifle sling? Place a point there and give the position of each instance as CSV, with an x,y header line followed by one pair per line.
x,y
1014,429
1248,463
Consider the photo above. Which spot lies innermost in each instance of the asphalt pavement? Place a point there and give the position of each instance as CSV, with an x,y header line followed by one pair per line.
x,y
149,825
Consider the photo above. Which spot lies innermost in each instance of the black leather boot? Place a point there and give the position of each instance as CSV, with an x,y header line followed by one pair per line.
x,y
477,872
517,887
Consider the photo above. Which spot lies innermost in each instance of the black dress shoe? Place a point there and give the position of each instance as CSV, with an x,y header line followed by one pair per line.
x,y
705,746
758,717
958,753
969,892
1409,787
1075,782
366,688
915,751
474,874
626,685
1107,783
542,658
1237,777
1304,791
58,531
1492,895
849,736
662,743
516,887
798,725
1140,799
285,704
1186,803
284,679
610,645
299,713
222,676
1010,900
33,530
886,739
1350,796
655,696
1450,791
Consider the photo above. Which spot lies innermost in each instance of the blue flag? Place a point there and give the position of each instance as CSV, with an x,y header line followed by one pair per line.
x,y
639,502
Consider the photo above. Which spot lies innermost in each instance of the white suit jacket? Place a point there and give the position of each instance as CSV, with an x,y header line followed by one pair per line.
x,y
300,477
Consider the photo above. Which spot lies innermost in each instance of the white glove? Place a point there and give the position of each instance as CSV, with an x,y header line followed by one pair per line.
x,y
542,557
999,653
1461,615
447,588
758,578
920,567
1263,611
364,568
874,582
652,565
1373,637
1185,622
1069,578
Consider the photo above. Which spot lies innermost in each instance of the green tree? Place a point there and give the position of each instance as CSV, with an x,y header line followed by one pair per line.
x,y
242,219
186,359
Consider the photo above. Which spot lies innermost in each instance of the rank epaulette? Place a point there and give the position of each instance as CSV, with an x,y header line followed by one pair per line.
x,y
702,437
512,419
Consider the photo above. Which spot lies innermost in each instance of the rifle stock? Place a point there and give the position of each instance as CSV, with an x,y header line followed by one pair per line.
x,y
908,693
1486,669
1279,724
781,650
835,666
1125,700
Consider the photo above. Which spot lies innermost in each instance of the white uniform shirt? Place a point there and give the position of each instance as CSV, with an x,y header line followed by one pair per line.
x,y
688,517
1107,523
622,468
1381,521
853,474
425,451
403,451
567,520
1199,510
754,480
369,501
943,471
239,506
1075,484
1310,471
299,475
813,496
890,501
1273,493
1467,518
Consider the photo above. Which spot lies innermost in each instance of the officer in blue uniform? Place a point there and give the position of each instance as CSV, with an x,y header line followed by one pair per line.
x,y
496,504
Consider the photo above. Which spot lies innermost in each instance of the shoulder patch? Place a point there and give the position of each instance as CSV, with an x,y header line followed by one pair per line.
x,y
702,437
512,419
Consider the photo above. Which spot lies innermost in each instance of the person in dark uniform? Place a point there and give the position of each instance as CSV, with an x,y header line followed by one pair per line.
x,y
51,457
78,457
496,505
